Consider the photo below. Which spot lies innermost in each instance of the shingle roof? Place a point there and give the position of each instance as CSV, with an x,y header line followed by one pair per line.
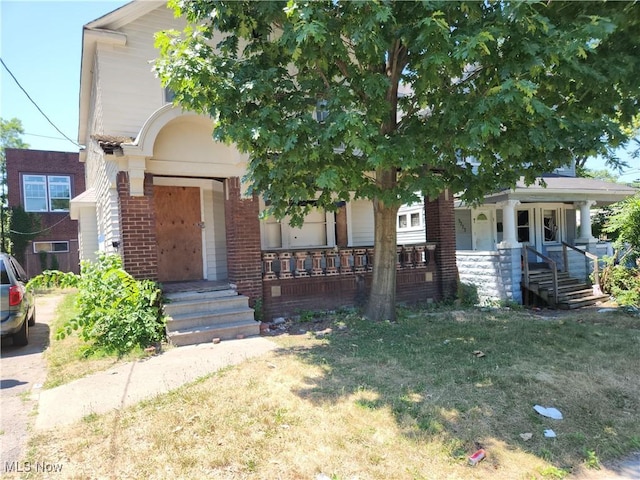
x,y
564,189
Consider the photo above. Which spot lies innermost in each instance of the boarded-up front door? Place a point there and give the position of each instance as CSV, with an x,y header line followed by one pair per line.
x,y
179,233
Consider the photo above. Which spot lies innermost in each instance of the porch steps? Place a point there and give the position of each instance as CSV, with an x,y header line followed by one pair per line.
x,y
200,316
572,293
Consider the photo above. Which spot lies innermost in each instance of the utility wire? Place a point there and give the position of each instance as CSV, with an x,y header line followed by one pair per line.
x,y
41,231
36,105
43,136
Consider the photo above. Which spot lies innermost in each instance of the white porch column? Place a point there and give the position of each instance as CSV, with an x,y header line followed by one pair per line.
x,y
136,166
586,236
509,236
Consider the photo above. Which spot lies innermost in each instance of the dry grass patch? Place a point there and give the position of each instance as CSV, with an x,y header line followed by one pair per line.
x,y
376,401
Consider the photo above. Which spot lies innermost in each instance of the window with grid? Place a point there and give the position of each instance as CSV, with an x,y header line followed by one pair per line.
x,y
46,193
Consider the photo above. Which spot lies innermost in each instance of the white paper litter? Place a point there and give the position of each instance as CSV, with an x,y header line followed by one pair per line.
x,y
548,412
550,433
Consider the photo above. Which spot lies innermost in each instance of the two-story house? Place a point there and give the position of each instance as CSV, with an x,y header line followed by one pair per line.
x,y
43,183
171,201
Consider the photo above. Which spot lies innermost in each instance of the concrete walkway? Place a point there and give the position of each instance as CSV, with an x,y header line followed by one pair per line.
x,y
133,382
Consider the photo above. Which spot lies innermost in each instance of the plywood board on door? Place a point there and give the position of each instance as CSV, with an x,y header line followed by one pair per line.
x,y
179,233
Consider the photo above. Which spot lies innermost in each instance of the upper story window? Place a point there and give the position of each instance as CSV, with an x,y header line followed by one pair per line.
x,y
409,220
46,193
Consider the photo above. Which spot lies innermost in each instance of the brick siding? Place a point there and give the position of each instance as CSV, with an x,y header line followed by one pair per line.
x,y
56,226
138,225
291,296
244,255
441,230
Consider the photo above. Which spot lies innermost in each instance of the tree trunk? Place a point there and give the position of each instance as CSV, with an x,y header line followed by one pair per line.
x,y
382,298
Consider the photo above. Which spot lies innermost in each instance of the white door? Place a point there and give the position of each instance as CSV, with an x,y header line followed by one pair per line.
x,y
483,237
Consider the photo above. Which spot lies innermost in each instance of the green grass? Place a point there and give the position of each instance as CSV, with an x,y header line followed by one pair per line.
x,y
378,400
67,359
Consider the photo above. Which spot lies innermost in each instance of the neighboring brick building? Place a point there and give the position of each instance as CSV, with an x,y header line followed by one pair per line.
x,y
44,182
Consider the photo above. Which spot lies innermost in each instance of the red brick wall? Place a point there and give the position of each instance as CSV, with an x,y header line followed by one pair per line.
x,y
333,292
138,229
56,226
441,230
244,256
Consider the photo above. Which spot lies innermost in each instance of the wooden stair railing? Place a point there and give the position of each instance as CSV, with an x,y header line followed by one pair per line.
x,y
552,266
588,256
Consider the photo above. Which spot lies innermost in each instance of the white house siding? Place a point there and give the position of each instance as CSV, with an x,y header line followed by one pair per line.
x,y
464,233
184,147
101,176
360,223
411,235
87,234
127,103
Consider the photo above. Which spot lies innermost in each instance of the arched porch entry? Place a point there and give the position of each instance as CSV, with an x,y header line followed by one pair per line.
x,y
187,170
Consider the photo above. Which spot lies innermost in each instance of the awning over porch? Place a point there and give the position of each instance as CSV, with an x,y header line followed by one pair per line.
x,y
564,189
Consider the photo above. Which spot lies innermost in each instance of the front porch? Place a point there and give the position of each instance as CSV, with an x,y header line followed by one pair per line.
x,y
566,277
293,281
330,278
547,224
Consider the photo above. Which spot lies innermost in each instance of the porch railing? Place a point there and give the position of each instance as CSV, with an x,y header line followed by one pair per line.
x,y
318,262
552,266
587,256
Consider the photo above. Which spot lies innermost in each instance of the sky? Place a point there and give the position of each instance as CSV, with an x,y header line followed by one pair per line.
x,y
41,43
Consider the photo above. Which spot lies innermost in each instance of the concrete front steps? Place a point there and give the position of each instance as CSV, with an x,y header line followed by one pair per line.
x,y
200,316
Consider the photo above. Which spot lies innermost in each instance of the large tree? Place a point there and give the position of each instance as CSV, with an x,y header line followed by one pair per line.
x,y
10,137
379,100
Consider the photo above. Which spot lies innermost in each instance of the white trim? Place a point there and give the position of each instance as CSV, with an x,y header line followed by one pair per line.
x,y
143,144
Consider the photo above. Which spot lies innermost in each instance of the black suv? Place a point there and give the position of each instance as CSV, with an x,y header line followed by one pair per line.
x,y
18,310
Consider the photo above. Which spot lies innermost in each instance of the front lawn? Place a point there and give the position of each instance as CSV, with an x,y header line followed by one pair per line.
x,y
410,400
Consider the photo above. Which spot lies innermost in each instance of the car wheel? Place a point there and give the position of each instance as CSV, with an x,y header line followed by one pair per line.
x,y
21,338
32,319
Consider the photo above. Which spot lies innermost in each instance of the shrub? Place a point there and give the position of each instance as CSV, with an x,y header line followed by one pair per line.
x,y
468,294
623,283
117,313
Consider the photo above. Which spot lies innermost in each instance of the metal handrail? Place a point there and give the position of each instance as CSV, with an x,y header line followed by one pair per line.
x,y
587,255
552,264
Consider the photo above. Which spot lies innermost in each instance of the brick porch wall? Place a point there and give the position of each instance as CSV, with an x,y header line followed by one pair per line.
x,y
138,229
441,230
244,257
291,296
